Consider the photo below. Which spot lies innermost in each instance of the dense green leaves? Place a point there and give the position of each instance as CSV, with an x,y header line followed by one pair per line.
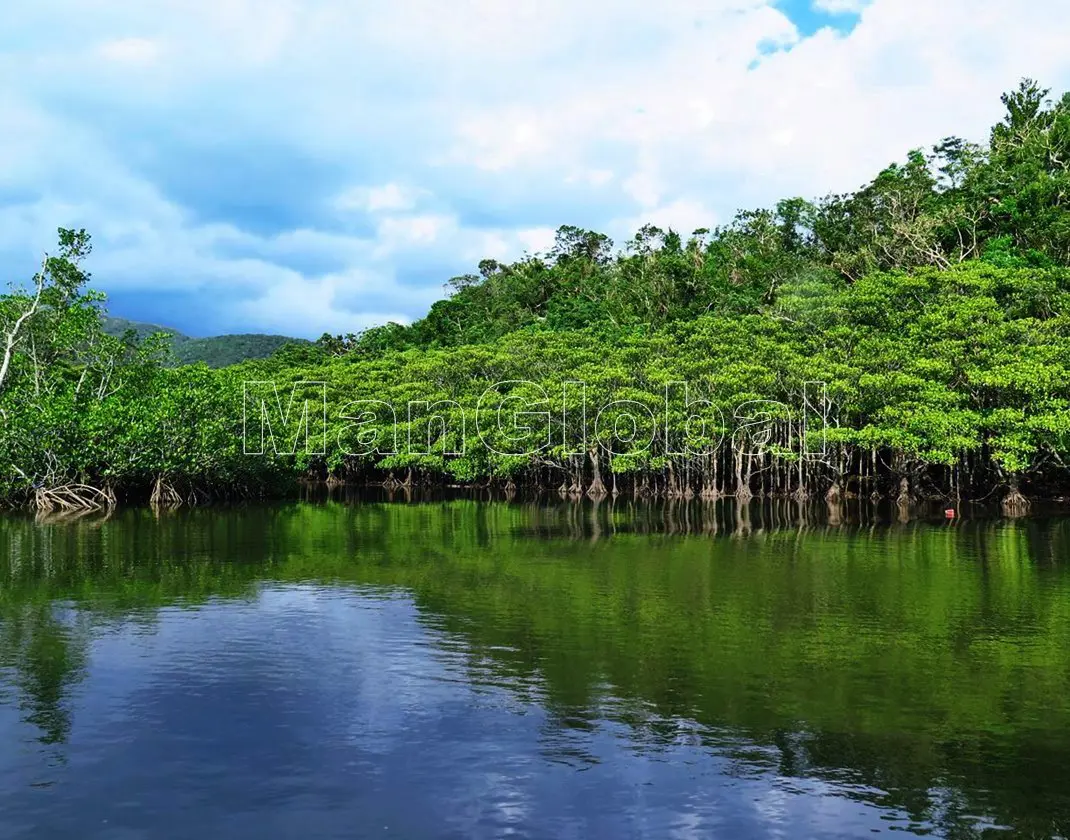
x,y
932,304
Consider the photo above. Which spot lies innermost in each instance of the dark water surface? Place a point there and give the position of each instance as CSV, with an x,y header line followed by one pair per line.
x,y
464,669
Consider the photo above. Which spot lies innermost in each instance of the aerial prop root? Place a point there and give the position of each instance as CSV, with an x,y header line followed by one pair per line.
x,y
73,497
165,494
1014,503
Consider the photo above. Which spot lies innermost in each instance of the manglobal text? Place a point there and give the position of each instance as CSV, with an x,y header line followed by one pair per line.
x,y
519,418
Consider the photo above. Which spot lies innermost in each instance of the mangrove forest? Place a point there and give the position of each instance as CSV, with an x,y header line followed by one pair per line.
x,y
931,307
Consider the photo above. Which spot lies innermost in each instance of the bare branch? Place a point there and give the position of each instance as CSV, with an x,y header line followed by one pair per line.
x,y
13,334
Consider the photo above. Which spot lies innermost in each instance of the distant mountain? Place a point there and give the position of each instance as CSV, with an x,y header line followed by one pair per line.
x,y
216,351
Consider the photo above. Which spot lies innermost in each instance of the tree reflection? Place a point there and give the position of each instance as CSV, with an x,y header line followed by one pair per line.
x,y
918,667
43,658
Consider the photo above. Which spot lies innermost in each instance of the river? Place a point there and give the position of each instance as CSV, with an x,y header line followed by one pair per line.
x,y
466,669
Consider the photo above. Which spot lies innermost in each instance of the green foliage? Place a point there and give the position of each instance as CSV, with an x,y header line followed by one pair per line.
x,y
932,303
215,351
82,407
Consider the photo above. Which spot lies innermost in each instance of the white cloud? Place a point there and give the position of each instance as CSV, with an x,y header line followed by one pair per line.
x,y
683,216
839,7
388,197
502,140
397,232
644,187
314,304
591,177
537,240
130,50
467,128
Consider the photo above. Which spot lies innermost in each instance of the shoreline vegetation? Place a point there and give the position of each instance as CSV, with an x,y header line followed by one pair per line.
x,y
933,305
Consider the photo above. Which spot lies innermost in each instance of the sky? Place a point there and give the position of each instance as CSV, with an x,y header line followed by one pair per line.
x,y
302,166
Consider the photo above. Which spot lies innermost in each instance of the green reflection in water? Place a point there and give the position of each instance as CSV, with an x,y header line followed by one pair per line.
x,y
930,665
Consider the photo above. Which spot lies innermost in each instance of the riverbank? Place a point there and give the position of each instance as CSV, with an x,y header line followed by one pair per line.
x,y
600,514
821,350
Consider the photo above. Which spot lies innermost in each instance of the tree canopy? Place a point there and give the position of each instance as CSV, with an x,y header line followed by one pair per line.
x,y
931,303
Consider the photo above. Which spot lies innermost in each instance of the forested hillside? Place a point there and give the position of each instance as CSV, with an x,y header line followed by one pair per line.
x,y
215,351
932,304
1003,204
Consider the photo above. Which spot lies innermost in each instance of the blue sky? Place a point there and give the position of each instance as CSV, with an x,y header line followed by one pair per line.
x,y
298,166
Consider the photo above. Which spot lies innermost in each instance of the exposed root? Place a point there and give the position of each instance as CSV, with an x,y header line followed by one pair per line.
x,y
1014,503
164,494
597,490
73,498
